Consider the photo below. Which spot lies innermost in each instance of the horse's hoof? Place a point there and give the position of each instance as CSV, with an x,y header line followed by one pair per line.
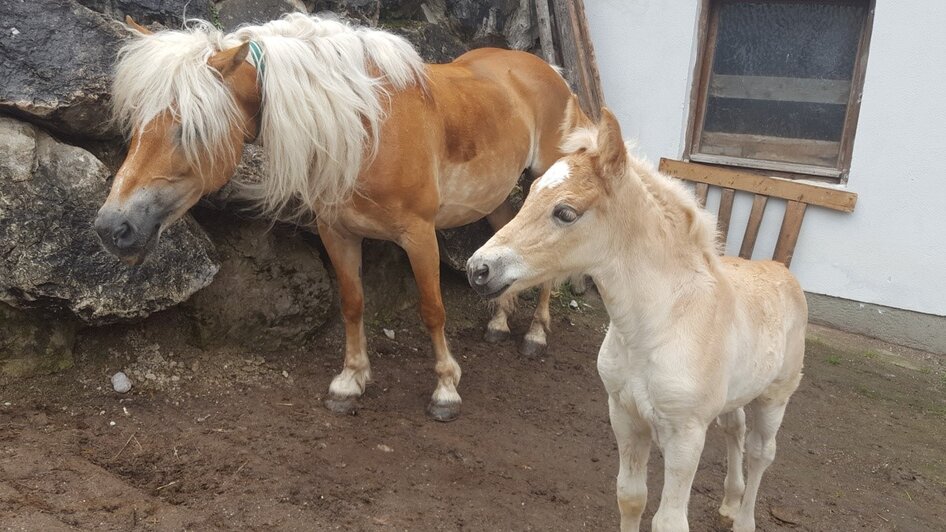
x,y
494,336
444,412
347,405
531,349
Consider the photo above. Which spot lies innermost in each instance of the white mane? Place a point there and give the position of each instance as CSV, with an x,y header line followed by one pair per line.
x,y
322,83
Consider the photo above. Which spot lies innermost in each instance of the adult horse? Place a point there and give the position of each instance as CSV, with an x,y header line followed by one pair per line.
x,y
692,338
362,140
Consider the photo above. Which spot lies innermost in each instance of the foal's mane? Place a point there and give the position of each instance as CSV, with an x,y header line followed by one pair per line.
x,y
676,203
322,83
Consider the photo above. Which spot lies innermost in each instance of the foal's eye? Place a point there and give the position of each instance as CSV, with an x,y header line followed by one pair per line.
x,y
565,214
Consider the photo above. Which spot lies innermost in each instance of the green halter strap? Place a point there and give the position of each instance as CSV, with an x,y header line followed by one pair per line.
x,y
257,54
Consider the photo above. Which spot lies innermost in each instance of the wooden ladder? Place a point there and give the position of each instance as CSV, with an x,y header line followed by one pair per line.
x,y
798,194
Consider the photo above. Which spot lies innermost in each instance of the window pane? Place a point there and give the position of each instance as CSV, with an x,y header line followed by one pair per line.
x,y
781,79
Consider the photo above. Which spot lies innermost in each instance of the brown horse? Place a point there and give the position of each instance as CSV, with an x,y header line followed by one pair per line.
x,y
362,140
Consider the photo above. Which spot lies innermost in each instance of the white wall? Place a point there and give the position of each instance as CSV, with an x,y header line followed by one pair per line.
x,y
892,250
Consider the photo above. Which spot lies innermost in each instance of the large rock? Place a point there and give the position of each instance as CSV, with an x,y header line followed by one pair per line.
x,y
169,13
434,42
34,342
55,60
49,195
272,291
234,13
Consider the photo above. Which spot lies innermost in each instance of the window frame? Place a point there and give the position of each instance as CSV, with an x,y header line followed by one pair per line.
x,y
706,38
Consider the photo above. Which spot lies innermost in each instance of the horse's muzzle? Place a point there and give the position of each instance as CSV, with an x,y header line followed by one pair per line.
x,y
127,238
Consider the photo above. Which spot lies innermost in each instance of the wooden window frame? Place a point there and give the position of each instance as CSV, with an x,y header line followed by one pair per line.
x,y
706,36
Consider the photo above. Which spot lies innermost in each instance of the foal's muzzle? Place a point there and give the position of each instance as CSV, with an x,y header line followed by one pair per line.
x,y
486,277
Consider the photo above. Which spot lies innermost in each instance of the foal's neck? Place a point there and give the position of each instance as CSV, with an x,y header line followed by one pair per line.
x,y
658,257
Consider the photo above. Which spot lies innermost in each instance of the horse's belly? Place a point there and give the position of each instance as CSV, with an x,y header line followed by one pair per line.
x,y
470,192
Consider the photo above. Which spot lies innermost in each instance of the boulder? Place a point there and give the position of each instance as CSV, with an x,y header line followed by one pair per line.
x,y
234,13
56,57
49,195
272,291
34,342
168,13
434,42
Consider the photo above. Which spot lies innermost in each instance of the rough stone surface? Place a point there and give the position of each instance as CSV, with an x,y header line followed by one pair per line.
x,y
272,291
233,13
434,42
34,342
49,195
169,13
55,61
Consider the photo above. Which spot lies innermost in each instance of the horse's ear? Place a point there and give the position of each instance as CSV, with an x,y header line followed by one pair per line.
x,y
227,61
134,26
612,154
575,118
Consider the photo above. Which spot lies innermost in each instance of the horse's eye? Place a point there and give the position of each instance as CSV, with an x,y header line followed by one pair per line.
x,y
565,214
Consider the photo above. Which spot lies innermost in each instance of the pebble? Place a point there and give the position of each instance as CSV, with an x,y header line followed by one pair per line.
x,y
389,333
384,448
120,382
573,304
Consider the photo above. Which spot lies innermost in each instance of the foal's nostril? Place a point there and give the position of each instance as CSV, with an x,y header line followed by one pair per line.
x,y
481,275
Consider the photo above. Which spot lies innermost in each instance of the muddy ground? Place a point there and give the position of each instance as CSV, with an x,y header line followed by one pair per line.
x,y
233,439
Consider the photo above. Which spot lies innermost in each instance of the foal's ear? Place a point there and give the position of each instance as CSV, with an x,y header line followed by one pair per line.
x,y
575,118
134,26
612,154
227,61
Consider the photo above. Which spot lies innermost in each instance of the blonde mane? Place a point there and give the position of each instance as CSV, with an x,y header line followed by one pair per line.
x,y
322,83
676,203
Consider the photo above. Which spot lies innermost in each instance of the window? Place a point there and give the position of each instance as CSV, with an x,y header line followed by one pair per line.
x,y
779,84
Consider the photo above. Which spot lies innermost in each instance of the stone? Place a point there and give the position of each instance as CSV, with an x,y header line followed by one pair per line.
x,y
50,193
234,13
121,383
56,57
34,342
168,13
272,291
434,42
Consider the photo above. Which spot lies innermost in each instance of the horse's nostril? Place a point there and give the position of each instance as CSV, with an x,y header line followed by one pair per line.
x,y
123,234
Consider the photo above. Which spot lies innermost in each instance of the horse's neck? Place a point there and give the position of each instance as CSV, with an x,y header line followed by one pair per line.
x,y
652,265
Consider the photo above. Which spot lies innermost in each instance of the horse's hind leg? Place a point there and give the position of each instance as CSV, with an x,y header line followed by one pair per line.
x,y
734,426
345,252
765,417
420,243
497,330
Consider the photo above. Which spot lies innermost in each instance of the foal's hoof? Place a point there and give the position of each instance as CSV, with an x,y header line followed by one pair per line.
x,y
444,411
494,336
531,349
339,404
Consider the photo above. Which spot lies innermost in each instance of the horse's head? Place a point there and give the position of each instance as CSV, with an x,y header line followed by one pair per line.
x,y
188,104
563,227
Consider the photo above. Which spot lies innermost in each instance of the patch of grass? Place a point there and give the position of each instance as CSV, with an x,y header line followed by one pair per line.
x,y
871,354
834,360
866,392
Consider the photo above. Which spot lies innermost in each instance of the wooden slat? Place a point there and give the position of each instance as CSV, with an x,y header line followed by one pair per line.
x,y
788,234
544,19
839,200
820,153
577,52
752,226
702,190
725,214
778,166
810,90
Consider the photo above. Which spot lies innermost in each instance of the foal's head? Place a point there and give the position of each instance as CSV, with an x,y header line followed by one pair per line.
x,y
188,105
563,227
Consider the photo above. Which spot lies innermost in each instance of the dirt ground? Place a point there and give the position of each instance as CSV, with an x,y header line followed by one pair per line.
x,y
232,439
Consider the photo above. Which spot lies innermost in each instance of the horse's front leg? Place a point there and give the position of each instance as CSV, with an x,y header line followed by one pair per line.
x,y
345,252
420,243
681,441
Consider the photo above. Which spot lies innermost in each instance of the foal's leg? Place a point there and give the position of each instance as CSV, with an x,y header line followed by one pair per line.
x,y
497,330
420,243
345,252
764,420
633,438
682,445
734,426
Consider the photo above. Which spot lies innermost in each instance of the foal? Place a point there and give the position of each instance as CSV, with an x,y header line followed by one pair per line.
x,y
693,337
